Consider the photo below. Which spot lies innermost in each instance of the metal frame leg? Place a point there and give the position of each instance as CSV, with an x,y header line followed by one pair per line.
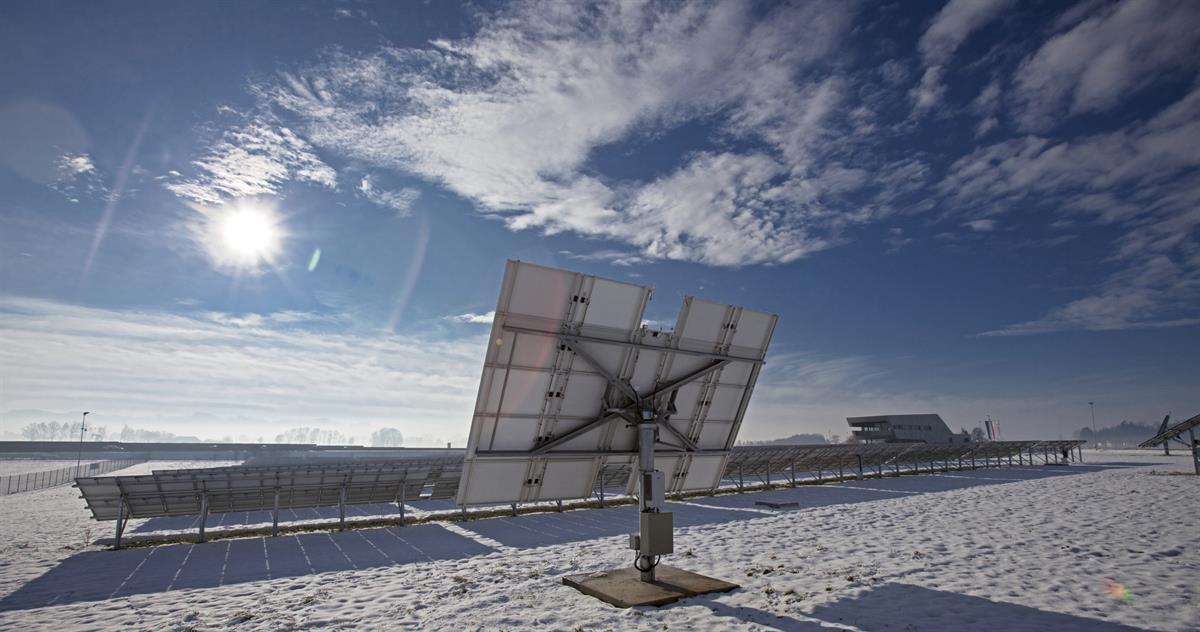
x,y
1195,451
275,515
203,515
342,509
401,503
121,520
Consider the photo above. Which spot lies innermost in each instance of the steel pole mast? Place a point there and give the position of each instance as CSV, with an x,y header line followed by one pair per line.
x,y
1095,436
82,429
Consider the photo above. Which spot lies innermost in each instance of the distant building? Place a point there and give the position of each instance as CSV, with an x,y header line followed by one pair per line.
x,y
904,429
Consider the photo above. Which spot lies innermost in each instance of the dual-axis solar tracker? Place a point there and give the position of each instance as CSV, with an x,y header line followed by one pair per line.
x,y
574,383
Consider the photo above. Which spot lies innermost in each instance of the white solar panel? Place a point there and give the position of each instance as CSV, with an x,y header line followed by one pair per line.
x,y
567,365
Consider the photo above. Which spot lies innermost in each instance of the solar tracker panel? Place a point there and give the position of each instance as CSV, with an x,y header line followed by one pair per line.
x,y
568,370
1172,432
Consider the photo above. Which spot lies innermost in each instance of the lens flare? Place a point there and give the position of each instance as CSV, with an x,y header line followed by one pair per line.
x,y
1116,590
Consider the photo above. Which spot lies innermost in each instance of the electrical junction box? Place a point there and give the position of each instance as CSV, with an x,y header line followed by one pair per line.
x,y
656,482
657,533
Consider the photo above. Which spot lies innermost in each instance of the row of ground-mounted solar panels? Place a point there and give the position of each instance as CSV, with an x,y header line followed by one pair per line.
x,y
183,492
180,492
762,461
331,465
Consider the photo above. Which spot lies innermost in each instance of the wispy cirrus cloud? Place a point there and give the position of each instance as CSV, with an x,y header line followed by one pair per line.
x,y
509,117
956,21
252,159
1142,178
76,177
399,200
1100,59
615,257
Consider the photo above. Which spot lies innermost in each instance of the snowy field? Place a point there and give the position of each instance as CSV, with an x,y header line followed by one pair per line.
x,y
1106,545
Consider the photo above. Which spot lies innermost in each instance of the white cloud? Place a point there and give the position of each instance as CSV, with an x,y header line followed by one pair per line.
x,y
509,117
981,225
1142,178
250,160
1153,293
1106,57
76,177
400,200
71,165
255,374
615,257
956,21
472,318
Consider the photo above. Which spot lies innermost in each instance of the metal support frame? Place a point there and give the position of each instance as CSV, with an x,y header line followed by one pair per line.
x,y
203,514
122,518
639,402
342,508
403,487
275,515
647,499
1195,451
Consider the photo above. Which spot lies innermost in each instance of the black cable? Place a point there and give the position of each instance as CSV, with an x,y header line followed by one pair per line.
x,y
654,563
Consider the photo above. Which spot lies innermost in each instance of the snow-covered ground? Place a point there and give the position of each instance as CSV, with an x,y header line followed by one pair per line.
x,y
1107,545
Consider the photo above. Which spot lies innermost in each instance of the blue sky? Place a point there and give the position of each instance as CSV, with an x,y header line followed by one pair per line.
x,y
232,220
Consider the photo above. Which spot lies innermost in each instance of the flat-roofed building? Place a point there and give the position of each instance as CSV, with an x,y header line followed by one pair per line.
x,y
925,428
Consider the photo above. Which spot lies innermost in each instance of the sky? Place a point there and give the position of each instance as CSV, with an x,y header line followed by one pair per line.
x,y
228,220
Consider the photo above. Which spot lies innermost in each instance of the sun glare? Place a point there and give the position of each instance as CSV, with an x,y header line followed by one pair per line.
x,y
244,237
248,233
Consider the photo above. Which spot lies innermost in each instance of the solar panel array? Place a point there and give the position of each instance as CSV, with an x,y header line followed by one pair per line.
x,y
234,488
570,368
765,462
1172,432
185,492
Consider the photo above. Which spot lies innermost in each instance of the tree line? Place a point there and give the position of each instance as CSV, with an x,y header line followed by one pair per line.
x,y
64,431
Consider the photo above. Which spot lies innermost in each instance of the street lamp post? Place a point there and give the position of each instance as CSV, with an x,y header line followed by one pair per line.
x,y
82,429
1092,405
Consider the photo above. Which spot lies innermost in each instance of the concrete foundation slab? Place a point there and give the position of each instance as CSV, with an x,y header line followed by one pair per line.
x,y
623,587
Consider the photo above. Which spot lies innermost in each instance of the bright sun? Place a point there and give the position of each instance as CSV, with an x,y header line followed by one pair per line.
x,y
248,233
244,236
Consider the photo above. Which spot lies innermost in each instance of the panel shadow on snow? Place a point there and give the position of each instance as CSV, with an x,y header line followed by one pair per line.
x,y
259,518
99,575
545,529
932,610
